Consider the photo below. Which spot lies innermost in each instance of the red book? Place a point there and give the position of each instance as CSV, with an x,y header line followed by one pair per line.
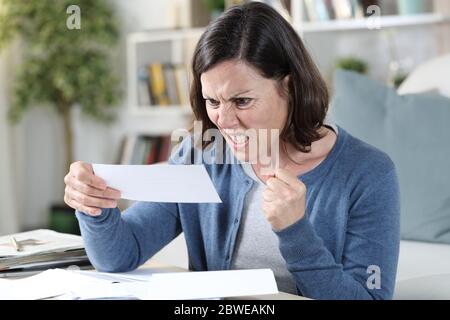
x,y
165,149
151,158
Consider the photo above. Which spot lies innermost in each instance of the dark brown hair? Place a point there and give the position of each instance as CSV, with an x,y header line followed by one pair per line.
x,y
259,36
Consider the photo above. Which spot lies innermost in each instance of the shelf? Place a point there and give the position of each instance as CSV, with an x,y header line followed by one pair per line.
x,y
164,35
364,24
161,111
162,46
319,26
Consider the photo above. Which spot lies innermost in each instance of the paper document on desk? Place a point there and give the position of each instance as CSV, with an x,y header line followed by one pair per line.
x,y
151,284
160,182
146,285
55,283
211,284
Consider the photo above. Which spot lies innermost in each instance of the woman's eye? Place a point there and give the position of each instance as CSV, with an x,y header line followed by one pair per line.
x,y
242,102
212,103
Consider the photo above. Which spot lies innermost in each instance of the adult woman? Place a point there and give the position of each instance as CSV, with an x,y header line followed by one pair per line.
x,y
327,216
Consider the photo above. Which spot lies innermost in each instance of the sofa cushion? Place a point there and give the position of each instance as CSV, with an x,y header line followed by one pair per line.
x,y
414,130
435,287
419,259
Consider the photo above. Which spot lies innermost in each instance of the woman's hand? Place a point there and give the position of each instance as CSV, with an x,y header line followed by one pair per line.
x,y
284,200
86,192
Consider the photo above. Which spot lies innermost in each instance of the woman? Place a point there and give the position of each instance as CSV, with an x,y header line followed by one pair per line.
x,y
326,221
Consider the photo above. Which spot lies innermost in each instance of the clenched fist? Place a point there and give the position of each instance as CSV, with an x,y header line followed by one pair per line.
x,y
284,200
87,192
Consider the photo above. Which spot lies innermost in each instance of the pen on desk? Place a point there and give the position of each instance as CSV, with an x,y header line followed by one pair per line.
x,y
15,244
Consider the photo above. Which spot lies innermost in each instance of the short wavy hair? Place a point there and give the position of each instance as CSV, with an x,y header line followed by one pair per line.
x,y
258,35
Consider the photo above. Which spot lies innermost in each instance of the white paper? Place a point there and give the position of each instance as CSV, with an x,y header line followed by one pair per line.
x,y
211,284
28,288
155,284
160,182
57,282
137,275
64,284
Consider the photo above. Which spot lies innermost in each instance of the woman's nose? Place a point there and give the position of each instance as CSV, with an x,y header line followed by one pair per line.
x,y
226,117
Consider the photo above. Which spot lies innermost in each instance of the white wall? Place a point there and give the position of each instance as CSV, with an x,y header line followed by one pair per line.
x,y
9,215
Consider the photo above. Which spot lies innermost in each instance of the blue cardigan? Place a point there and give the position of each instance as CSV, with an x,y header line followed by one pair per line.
x,y
346,246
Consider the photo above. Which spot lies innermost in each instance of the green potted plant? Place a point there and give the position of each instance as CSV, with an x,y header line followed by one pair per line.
x,y
398,72
215,7
62,67
399,79
407,7
352,64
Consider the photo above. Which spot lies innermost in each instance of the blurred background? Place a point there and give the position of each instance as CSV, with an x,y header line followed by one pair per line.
x,y
106,81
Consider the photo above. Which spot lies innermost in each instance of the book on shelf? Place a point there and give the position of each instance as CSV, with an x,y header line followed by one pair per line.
x,y
324,10
342,9
170,81
318,10
364,5
151,152
182,84
358,11
330,9
126,149
158,84
144,94
165,148
162,84
310,7
146,149
140,150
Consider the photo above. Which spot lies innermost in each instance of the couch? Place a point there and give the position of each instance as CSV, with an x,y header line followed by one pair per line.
x,y
413,127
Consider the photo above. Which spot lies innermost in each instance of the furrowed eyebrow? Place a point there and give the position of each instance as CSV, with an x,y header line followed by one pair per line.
x,y
238,94
233,97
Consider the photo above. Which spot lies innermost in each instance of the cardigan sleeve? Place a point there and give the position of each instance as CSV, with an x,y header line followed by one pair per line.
x,y
120,242
369,262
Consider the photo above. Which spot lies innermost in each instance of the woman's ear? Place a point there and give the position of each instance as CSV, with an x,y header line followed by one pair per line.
x,y
285,84
286,80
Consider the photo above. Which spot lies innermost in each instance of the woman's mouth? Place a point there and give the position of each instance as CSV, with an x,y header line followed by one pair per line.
x,y
238,140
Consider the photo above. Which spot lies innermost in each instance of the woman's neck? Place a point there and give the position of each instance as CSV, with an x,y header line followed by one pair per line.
x,y
298,162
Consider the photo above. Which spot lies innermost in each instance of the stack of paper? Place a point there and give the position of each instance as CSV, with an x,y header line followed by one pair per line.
x,y
144,284
31,252
59,283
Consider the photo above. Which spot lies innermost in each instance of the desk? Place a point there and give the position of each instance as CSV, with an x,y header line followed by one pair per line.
x,y
279,296
151,264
